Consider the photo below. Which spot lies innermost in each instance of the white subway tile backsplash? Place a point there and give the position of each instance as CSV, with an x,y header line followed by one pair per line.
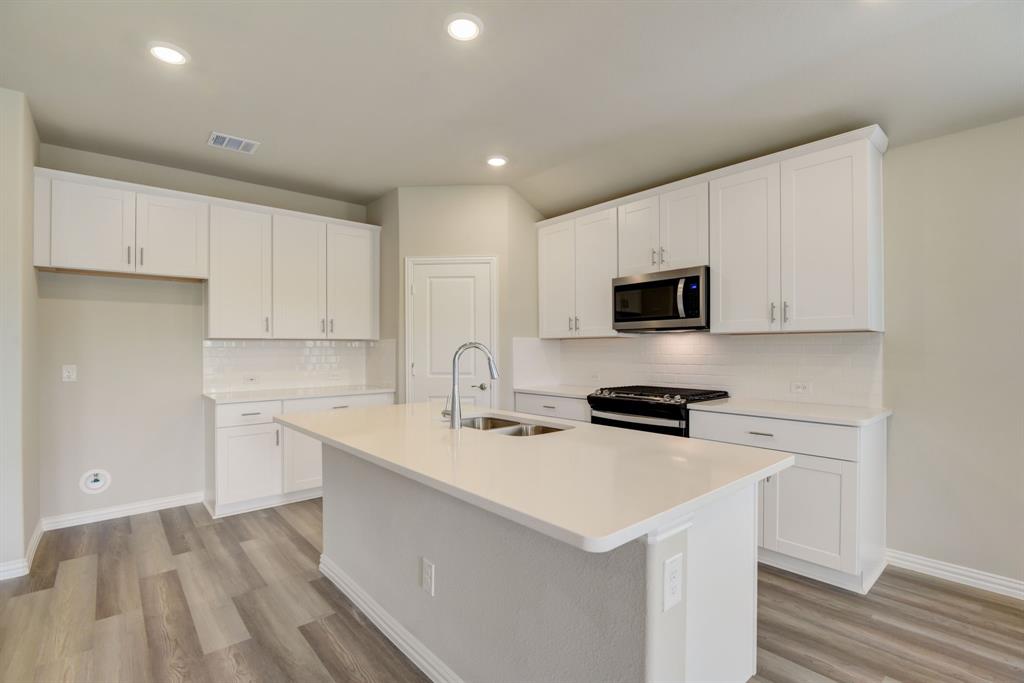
x,y
842,368
276,363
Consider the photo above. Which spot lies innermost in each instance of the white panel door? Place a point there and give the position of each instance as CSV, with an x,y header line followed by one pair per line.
x,y
810,512
92,227
248,462
638,237
450,304
824,239
172,236
596,266
300,278
556,280
744,245
238,293
684,227
353,282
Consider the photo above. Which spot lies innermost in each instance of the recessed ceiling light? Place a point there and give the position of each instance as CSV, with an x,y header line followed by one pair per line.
x,y
171,54
462,26
497,160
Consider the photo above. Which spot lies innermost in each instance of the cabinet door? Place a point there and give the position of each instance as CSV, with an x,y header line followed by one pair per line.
x,y
172,236
825,240
638,237
556,285
248,462
596,252
744,242
238,294
684,227
92,227
353,282
303,461
810,512
300,278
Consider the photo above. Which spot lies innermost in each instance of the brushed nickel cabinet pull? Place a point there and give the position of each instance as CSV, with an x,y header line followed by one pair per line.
x,y
129,255
142,256
249,414
332,325
277,437
548,407
577,323
570,323
323,325
771,313
761,434
337,407
654,257
266,324
785,311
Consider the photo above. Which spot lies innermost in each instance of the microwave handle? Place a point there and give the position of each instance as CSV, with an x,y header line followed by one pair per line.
x,y
679,297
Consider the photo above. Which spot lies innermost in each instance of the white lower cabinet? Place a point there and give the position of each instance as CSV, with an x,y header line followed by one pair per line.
x,y
248,462
253,462
553,406
824,517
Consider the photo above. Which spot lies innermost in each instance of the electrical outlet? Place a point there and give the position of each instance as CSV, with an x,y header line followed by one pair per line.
x,y
673,578
799,387
69,373
427,576
251,379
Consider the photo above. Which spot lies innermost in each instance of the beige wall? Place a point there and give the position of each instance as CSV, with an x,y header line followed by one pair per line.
x,y
472,220
19,450
135,410
384,212
954,347
90,163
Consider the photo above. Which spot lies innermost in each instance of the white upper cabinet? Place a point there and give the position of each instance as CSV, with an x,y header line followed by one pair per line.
x,y
172,236
556,271
577,261
353,282
300,278
596,258
238,294
793,240
639,241
684,227
831,236
92,227
744,250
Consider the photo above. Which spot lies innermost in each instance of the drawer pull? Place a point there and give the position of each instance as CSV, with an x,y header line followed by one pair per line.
x,y
549,407
277,437
249,414
762,434
337,407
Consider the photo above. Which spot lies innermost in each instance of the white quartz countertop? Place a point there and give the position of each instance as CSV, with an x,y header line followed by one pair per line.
x,y
591,486
295,392
565,390
850,416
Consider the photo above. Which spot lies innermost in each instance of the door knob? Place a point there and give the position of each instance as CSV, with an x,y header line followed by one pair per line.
x,y
482,386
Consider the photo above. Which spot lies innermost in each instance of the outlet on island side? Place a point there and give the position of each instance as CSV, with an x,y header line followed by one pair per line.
x,y
799,387
427,576
672,590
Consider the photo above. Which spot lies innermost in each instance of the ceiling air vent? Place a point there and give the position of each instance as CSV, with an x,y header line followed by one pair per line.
x,y
232,143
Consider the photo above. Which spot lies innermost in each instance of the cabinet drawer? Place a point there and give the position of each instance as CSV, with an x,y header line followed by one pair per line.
x,y
553,406
315,405
254,412
811,438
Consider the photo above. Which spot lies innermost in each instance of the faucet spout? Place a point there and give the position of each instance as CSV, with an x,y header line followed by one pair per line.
x,y
492,367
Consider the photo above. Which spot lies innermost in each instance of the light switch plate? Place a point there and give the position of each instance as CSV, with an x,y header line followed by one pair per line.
x,y
427,576
69,373
672,591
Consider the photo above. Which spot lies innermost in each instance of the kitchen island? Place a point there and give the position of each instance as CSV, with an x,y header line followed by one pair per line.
x,y
586,554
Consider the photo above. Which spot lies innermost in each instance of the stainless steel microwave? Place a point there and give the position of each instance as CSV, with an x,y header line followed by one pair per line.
x,y
666,301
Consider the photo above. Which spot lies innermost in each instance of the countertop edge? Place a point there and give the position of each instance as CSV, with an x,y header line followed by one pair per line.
x,y
780,413
287,394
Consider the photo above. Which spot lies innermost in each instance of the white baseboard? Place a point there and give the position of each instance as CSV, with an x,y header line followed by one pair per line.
x,y
20,567
429,663
994,583
229,509
115,511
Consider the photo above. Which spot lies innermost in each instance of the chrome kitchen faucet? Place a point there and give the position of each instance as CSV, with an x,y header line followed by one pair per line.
x,y
456,409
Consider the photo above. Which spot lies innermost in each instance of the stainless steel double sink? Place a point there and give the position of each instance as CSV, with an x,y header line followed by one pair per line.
x,y
501,425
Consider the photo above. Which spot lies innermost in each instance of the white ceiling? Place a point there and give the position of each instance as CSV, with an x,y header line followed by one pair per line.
x,y
589,100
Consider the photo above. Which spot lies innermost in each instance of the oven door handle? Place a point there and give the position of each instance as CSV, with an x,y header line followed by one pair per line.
x,y
679,297
638,419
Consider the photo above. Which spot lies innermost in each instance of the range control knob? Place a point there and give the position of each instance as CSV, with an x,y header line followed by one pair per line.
x,y
678,397
667,397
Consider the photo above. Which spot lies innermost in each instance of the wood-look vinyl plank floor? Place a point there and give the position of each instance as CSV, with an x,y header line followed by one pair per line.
x,y
178,596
